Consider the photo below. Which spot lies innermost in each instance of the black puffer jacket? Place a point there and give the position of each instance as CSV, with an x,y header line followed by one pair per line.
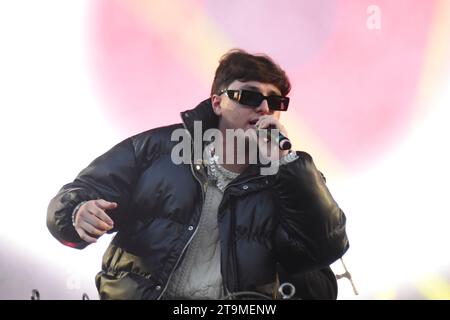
x,y
286,224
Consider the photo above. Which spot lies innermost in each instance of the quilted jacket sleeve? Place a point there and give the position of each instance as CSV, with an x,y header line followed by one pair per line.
x,y
110,177
311,231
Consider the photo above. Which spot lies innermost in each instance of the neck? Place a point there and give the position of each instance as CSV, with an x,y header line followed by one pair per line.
x,y
232,165
237,168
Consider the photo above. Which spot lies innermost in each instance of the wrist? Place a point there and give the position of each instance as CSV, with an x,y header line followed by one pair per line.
x,y
290,156
75,211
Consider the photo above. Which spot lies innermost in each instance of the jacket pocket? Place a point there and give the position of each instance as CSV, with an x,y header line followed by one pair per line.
x,y
124,276
124,286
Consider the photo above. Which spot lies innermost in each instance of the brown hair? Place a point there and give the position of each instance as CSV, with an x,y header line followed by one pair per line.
x,y
237,64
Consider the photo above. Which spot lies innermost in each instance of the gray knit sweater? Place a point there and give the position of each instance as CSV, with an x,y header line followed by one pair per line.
x,y
199,276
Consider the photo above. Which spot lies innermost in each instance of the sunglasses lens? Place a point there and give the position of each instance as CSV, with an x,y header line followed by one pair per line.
x,y
278,103
251,98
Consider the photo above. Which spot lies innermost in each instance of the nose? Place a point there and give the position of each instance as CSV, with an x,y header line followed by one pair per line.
x,y
263,107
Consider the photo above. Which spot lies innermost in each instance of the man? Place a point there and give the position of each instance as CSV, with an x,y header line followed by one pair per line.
x,y
209,228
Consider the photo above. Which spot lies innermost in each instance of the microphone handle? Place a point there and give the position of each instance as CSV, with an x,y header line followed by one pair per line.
x,y
281,139
283,142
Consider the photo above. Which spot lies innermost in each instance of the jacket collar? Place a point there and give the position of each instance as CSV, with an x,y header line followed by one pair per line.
x,y
202,112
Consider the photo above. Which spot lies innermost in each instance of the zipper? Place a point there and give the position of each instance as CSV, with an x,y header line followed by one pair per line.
x,y
203,187
176,264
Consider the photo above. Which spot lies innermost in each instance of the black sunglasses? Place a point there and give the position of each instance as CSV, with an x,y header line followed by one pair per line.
x,y
254,99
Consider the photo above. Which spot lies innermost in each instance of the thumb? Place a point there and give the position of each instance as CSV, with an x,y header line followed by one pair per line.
x,y
106,205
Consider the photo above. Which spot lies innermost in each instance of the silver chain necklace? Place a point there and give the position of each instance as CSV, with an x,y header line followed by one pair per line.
x,y
216,172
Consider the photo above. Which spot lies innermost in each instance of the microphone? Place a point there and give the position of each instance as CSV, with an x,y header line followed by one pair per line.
x,y
281,139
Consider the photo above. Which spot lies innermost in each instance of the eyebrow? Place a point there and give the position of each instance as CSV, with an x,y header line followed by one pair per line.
x,y
247,86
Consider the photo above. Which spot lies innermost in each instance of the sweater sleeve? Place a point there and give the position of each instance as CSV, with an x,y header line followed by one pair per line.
x,y
311,230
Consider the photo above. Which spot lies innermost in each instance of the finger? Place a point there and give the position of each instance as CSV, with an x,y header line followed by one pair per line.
x,y
91,230
265,134
252,134
99,213
105,205
268,122
266,118
98,218
83,235
261,124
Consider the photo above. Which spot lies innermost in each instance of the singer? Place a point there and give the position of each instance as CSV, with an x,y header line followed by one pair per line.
x,y
210,228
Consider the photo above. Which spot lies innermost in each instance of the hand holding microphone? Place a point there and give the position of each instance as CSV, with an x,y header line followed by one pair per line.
x,y
269,123
281,139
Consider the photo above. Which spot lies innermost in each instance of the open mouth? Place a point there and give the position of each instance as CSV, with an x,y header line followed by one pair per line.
x,y
253,122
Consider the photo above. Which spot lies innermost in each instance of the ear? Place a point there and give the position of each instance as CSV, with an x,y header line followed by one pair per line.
x,y
215,101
